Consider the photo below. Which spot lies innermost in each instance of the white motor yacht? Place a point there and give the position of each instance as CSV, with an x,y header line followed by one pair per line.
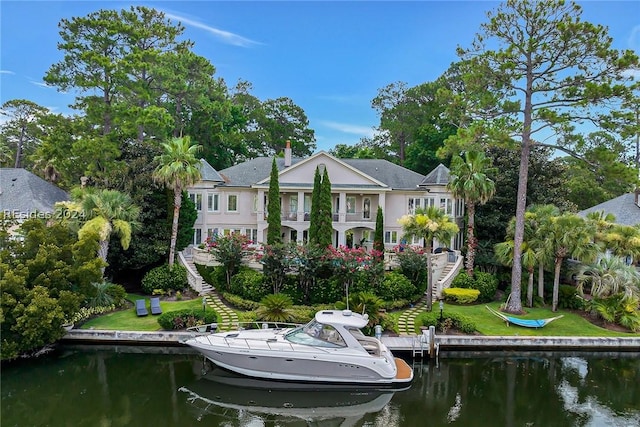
x,y
329,349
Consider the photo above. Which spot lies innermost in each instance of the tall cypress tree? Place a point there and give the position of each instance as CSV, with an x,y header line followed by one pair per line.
x,y
315,207
273,209
378,243
325,216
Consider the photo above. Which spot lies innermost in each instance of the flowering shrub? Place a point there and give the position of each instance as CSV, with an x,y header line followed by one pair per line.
x,y
350,263
86,312
229,251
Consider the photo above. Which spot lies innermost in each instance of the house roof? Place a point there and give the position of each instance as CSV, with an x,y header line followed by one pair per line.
x,y
208,172
23,192
259,169
623,207
438,176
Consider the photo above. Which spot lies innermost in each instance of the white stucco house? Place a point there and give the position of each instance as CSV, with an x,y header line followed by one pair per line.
x,y
234,200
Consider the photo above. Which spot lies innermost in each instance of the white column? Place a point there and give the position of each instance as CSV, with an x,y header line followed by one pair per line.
x,y
260,205
342,217
300,210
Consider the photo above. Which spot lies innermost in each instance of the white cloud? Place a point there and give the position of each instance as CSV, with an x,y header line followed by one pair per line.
x,y
635,73
225,36
6,72
634,38
41,84
367,131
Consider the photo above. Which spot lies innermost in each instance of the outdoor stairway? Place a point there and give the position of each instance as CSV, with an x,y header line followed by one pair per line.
x,y
406,321
228,318
206,287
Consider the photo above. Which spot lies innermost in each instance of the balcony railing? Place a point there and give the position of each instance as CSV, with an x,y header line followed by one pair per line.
x,y
348,217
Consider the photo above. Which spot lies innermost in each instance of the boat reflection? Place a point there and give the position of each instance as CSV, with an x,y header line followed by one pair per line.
x,y
220,393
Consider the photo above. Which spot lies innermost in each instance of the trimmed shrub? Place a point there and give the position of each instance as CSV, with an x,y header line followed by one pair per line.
x,y
240,303
486,283
396,286
459,322
249,284
461,296
164,278
181,319
327,291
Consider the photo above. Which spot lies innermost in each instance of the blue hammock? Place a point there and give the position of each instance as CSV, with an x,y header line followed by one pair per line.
x,y
527,323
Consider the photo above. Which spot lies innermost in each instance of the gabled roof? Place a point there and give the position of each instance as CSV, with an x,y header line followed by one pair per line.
x,y
255,170
25,193
623,207
208,172
438,176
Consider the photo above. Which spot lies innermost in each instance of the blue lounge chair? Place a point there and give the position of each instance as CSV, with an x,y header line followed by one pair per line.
x,y
141,307
155,306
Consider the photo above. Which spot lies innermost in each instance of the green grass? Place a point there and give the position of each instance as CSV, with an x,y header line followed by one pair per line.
x,y
128,320
486,323
569,325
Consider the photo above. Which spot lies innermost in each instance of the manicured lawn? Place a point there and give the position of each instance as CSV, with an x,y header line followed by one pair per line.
x,y
569,325
128,320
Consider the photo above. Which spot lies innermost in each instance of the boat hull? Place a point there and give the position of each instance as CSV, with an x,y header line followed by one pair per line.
x,y
331,367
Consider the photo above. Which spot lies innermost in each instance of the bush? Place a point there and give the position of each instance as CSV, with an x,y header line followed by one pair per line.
x,y
327,291
459,322
486,283
181,319
461,296
239,302
568,298
396,286
249,284
118,293
164,278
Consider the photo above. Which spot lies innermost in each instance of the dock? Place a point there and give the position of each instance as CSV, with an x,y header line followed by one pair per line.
x,y
414,345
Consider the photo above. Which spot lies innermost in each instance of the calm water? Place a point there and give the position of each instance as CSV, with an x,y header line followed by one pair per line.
x,y
144,386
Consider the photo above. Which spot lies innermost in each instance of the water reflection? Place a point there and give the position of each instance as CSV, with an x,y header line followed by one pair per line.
x,y
223,394
126,386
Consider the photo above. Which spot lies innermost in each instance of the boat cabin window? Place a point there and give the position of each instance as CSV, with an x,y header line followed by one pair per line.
x,y
316,334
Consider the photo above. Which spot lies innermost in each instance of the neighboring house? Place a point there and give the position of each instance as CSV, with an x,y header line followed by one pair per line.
x,y
24,195
234,200
625,208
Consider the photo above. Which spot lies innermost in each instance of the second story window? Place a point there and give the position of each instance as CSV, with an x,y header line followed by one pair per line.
x,y
232,203
351,204
196,198
213,202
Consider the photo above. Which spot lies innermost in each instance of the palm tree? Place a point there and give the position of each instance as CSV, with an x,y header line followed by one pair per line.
x,y
470,182
107,212
429,223
537,215
178,168
276,308
609,276
567,235
623,241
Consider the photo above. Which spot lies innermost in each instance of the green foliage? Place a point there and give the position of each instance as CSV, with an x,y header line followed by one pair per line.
x,y
378,239
188,216
181,319
229,251
325,214
485,283
396,286
460,295
365,303
101,298
239,302
274,210
117,293
617,309
413,264
166,278
85,313
568,298
458,321
327,290
249,284
275,308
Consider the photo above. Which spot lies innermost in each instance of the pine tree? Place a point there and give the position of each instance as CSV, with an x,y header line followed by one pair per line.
x,y
273,208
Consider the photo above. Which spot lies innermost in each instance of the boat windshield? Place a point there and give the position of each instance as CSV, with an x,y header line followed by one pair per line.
x,y
317,335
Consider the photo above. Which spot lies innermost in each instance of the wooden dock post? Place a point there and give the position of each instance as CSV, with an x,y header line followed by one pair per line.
x,y
432,341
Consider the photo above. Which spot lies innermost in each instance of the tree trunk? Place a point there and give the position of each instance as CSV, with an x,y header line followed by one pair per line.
x,y
556,283
541,281
103,251
530,289
18,162
429,280
177,202
472,243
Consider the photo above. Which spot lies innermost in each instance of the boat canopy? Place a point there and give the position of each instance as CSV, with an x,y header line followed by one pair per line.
x,y
346,318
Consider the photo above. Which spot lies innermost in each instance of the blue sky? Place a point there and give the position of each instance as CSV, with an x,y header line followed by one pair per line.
x,y
330,58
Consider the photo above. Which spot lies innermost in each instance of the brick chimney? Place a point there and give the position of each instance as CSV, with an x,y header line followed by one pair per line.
x,y
287,154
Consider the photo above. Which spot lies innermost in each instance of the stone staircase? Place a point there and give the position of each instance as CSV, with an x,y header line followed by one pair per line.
x,y
406,321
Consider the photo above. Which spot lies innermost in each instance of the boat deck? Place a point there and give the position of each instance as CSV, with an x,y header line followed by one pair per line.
x,y
404,370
